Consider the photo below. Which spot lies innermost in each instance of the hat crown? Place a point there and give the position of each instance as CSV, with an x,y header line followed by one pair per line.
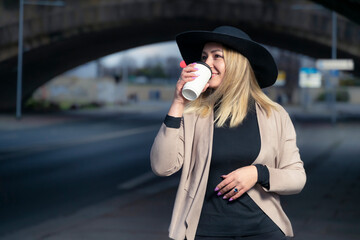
x,y
191,45
231,31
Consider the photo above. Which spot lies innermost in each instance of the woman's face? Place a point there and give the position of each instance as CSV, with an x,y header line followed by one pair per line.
x,y
213,55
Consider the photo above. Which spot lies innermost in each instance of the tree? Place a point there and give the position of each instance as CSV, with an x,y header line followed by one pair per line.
x,y
172,68
153,68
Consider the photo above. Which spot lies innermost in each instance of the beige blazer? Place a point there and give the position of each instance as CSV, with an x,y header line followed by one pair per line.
x,y
190,148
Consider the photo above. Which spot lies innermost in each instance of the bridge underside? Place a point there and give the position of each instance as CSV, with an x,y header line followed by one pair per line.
x,y
42,64
348,8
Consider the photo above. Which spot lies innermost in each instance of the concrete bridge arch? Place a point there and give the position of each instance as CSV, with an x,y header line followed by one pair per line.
x,y
59,39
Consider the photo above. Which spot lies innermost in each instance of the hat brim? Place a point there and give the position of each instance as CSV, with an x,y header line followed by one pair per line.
x,y
191,45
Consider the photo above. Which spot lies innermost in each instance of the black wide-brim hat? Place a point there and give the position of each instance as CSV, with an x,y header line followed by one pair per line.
x,y
191,45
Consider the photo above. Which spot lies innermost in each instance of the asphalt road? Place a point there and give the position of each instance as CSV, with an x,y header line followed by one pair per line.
x,y
54,170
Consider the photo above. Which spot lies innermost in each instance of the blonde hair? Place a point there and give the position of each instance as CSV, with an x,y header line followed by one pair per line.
x,y
233,95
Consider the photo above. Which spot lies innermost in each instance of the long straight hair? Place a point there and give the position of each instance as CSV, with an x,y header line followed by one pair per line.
x,y
233,95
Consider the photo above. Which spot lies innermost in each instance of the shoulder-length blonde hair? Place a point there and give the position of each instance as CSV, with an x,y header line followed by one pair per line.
x,y
232,97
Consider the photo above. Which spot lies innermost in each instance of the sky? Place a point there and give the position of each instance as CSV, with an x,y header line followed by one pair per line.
x,y
162,50
140,54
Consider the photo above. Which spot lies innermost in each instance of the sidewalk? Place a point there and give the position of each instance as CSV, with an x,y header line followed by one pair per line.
x,y
322,112
34,120
326,209
316,112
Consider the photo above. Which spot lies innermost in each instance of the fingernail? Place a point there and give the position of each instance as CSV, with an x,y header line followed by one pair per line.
x,y
194,77
196,69
230,199
224,197
219,193
216,189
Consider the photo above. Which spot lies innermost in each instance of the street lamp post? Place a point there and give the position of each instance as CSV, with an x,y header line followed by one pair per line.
x,y
20,46
19,67
330,84
334,73
334,35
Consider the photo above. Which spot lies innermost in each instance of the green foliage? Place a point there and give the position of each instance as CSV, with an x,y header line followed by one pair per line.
x,y
341,96
47,106
349,82
36,105
64,105
156,71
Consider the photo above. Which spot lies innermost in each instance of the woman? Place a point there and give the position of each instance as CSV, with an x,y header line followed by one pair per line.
x,y
237,148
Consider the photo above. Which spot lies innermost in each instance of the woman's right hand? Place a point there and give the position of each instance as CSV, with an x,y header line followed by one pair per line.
x,y
187,74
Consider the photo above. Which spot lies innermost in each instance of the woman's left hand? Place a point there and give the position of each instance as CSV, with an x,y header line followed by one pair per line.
x,y
237,182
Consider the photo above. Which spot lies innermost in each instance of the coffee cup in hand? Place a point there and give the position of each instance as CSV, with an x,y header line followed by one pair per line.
x,y
193,89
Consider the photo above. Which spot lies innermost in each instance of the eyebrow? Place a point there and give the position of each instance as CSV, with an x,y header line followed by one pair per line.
x,y
215,50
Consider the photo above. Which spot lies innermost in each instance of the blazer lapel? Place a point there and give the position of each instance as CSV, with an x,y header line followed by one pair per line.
x,y
201,153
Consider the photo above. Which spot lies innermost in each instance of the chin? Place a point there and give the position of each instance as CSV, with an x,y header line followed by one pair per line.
x,y
213,85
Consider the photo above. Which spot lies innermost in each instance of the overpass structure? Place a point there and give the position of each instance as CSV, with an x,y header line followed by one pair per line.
x,y
59,39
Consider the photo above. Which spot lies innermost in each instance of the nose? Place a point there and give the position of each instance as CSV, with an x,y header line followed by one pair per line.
x,y
209,62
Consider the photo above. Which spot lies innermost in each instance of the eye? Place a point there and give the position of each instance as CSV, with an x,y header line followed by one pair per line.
x,y
203,58
218,56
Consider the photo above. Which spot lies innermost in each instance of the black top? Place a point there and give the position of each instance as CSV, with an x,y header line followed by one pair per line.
x,y
233,148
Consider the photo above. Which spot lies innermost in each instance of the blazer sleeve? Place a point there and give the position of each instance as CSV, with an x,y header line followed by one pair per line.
x,y
288,177
167,152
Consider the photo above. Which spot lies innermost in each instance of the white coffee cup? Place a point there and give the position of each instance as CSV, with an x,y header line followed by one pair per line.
x,y
193,89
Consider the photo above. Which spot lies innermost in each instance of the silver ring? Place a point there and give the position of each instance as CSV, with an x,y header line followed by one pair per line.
x,y
236,190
